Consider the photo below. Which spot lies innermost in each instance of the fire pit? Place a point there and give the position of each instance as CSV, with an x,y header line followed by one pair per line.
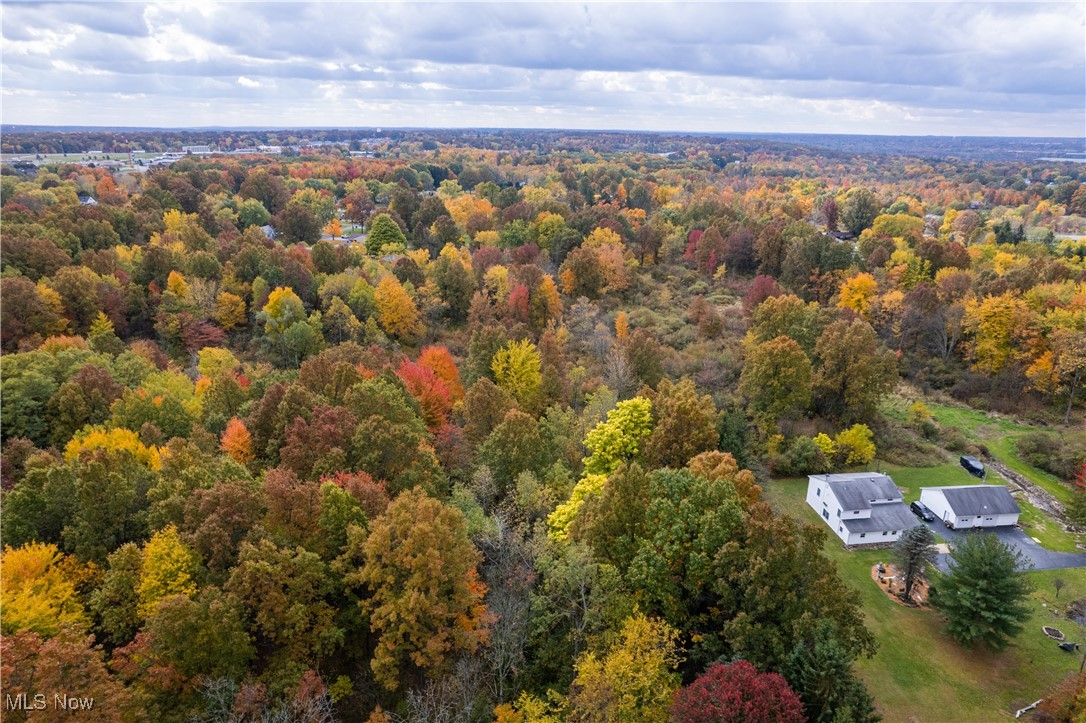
x,y
1052,632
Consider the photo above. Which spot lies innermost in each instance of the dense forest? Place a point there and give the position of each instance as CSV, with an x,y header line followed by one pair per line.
x,y
484,429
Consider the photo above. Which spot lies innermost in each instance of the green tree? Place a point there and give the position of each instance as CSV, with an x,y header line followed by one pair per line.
x,y
820,670
983,595
613,523
853,373
914,554
860,210
427,598
201,635
776,378
284,594
115,603
383,230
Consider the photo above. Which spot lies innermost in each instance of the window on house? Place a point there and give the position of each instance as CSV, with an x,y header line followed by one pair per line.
x,y
863,534
838,513
885,533
826,514
818,492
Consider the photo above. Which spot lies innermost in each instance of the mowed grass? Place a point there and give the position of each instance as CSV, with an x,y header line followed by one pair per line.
x,y
920,673
999,434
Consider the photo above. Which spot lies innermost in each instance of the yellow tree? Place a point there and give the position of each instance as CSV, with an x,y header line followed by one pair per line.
x,y
857,293
996,324
36,594
622,326
230,311
516,368
334,228
396,312
635,680
169,568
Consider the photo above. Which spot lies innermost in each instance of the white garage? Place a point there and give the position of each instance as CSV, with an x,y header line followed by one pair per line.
x,y
972,505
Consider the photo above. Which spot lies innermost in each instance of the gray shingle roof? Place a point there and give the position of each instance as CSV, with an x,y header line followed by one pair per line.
x,y
980,500
892,516
856,491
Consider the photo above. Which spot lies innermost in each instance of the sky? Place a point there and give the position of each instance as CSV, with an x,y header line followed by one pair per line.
x,y
918,68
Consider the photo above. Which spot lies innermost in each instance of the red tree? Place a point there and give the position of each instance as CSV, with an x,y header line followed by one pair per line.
x,y
373,496
431,391
737,693
320,446
762,288
440,360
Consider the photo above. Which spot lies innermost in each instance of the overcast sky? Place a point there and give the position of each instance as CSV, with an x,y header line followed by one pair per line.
x,y
834,67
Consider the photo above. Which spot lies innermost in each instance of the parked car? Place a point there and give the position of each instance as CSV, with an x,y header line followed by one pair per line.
x,y
972,465
922,511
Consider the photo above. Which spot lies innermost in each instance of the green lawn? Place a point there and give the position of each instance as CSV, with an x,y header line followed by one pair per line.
x,y
920,673
998,435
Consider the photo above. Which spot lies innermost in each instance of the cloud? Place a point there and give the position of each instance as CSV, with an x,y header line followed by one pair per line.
x,y
922,67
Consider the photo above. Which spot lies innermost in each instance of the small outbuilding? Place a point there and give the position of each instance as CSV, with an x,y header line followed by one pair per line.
x,y
972,505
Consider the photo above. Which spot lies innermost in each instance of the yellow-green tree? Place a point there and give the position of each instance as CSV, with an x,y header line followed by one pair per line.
x,y
283,309
169,568
516,368
36,593
619,438
634,681
855,445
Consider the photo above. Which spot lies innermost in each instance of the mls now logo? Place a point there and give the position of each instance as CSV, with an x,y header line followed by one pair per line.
x,y
24,701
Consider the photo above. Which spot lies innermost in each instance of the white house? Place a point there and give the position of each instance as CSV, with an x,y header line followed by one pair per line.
x,y
972,505
862,508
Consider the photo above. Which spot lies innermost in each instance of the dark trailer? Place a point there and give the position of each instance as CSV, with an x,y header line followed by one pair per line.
x,y
973,466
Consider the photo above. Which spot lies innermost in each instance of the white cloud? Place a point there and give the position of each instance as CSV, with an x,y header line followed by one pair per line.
x,y
920,67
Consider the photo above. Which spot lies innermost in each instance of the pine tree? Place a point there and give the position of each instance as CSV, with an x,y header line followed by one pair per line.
x,y
983,594
913,552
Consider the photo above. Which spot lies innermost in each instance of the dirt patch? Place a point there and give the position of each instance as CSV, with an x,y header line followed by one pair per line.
x,y
890,582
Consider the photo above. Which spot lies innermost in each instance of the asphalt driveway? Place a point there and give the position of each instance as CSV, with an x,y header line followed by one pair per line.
x,y
1041,558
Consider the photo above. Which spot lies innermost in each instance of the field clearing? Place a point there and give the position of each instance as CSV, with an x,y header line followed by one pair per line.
x,y
919,672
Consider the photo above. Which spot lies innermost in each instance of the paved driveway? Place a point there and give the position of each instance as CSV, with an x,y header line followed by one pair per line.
x,y
1041,558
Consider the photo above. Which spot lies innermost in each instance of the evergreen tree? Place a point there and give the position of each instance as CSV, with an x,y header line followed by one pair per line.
x,y
913,552
983,595
820,670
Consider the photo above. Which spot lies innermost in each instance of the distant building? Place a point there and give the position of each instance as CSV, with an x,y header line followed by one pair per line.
x,y
968,506
268,231
862,508
196,150
88,200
